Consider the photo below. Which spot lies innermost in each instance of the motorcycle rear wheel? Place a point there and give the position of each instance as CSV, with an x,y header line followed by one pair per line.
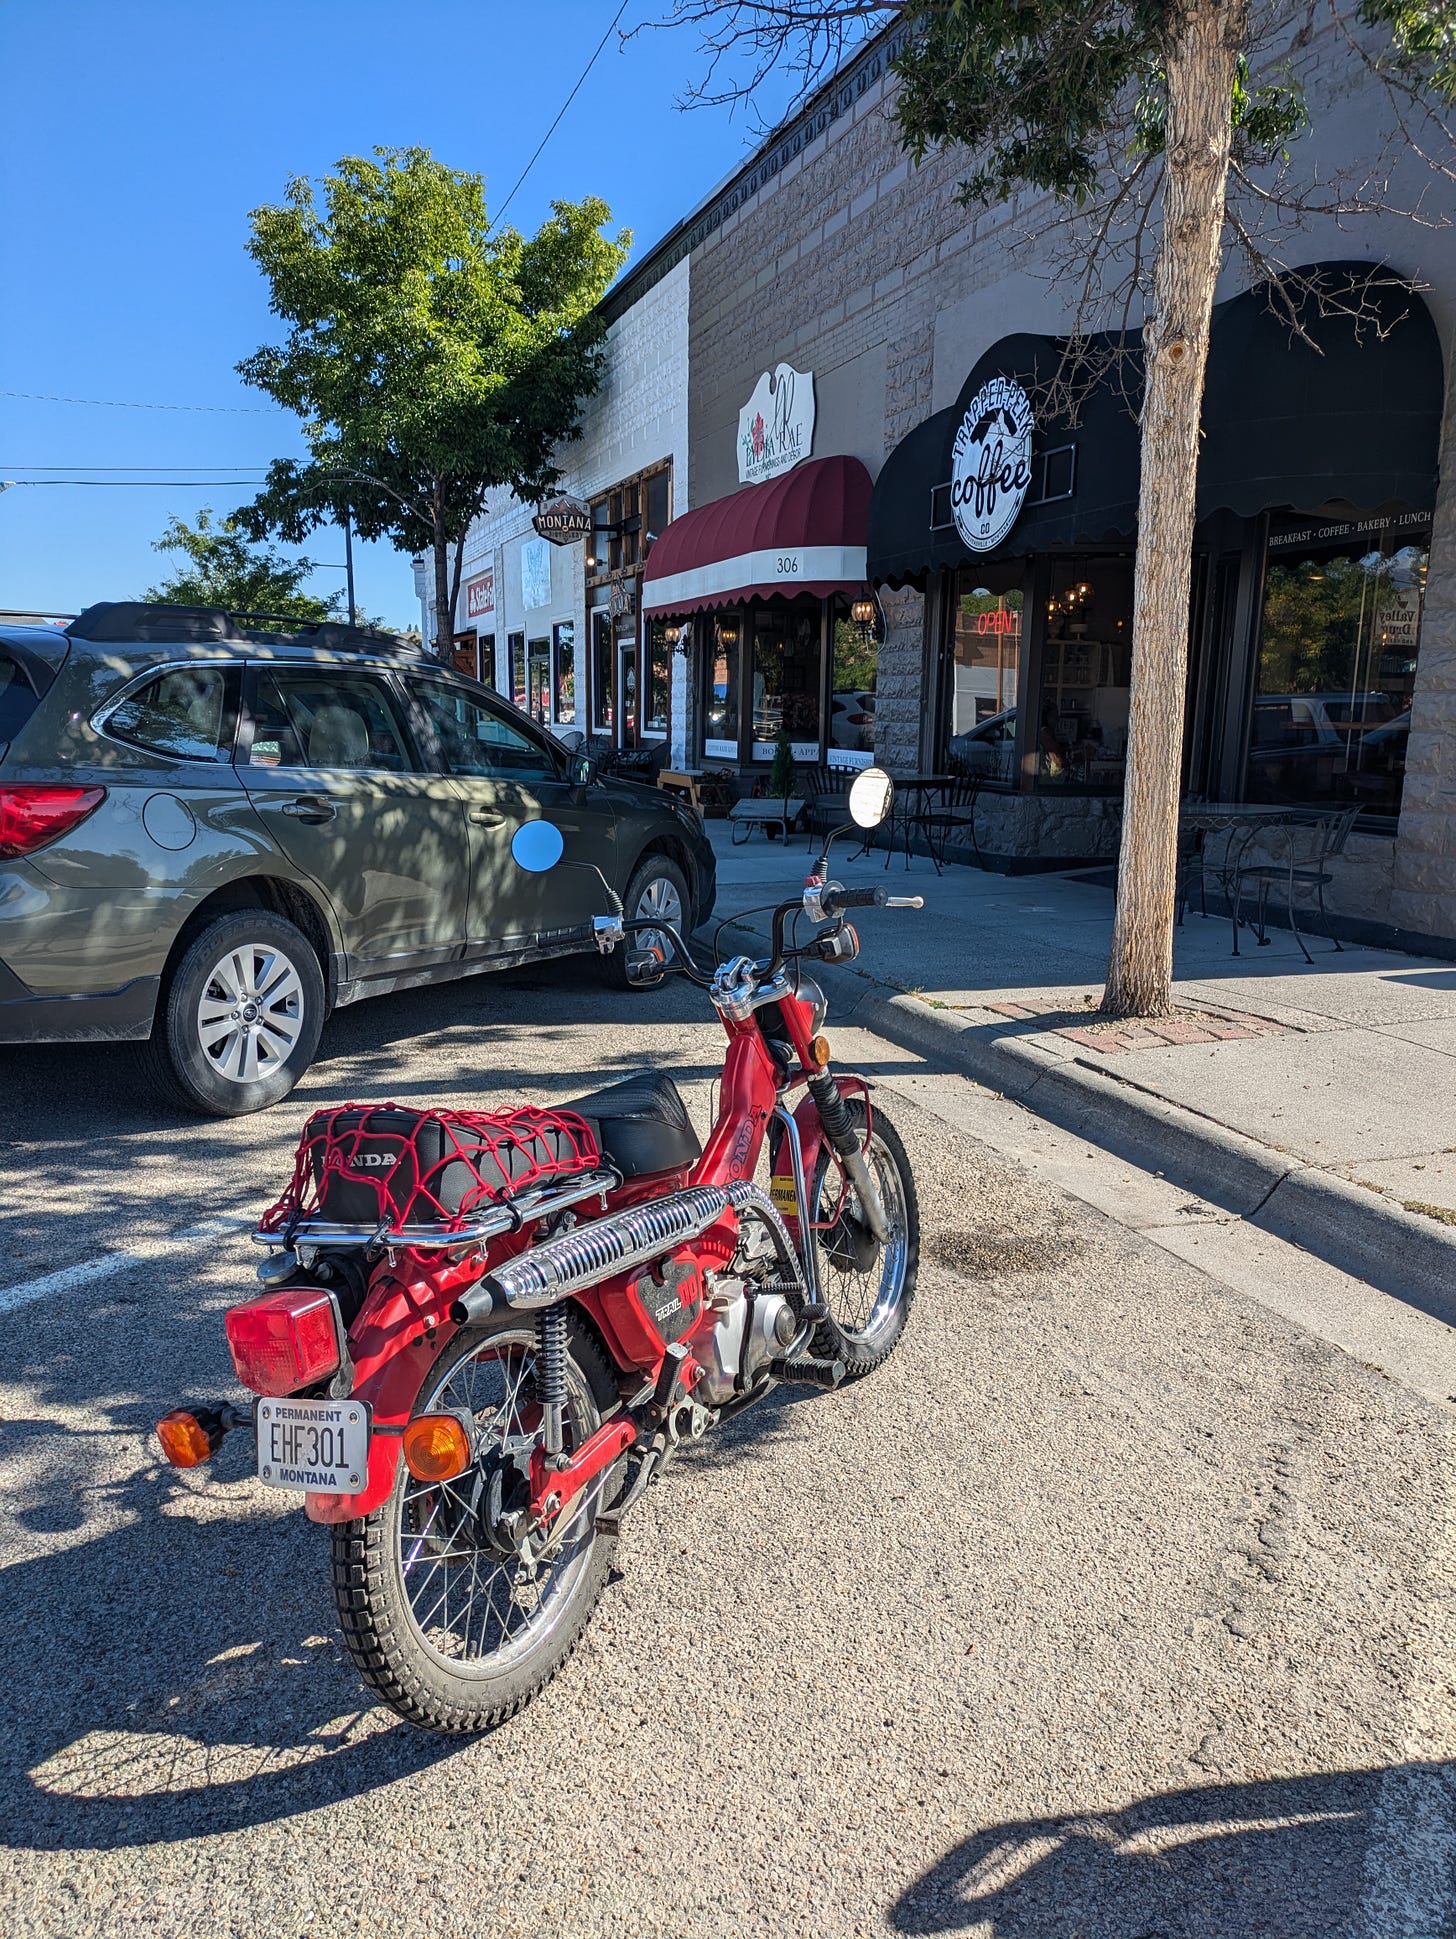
x,y
468,1667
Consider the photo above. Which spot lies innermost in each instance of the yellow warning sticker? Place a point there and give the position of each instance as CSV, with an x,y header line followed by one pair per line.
x,y
781,1191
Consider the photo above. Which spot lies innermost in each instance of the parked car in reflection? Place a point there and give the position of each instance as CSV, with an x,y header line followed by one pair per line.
x,y
852,721
988,748
1302,745
212,834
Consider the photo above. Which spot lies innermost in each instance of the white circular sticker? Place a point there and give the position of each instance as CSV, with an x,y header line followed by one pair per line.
x,y
990,464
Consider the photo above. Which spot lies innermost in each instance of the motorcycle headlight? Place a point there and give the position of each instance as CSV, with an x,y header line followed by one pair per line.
x,y
810,993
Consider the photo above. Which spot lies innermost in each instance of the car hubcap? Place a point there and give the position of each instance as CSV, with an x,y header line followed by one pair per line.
x,y
250,1014
660,900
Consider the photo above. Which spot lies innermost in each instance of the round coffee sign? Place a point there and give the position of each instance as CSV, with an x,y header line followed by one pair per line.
x,y
990,463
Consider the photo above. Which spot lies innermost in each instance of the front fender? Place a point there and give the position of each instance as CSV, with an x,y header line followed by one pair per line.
x,y
811,1137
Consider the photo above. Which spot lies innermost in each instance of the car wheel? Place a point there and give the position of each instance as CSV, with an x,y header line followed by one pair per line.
x,y
240,1016
658,888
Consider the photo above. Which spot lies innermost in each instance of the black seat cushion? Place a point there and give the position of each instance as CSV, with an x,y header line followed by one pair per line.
x,y
641,1124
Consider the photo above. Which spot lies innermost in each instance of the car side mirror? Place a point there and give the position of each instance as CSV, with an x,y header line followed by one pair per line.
x,y
580,770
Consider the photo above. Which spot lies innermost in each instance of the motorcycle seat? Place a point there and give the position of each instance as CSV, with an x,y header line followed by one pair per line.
x,y
641,1124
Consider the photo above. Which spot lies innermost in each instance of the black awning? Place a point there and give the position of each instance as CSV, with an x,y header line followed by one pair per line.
x,y
1349,422
1084,461
1350,426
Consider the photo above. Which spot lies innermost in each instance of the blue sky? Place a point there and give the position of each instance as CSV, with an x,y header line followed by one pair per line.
x,y
137,139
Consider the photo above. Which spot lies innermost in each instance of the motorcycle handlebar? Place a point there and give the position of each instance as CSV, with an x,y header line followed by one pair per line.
x,y
836,900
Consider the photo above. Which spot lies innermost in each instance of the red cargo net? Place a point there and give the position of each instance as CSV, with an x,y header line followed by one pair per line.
x,y
387,1165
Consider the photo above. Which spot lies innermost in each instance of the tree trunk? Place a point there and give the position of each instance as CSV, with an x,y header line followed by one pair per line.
x,y
444,600
1203,45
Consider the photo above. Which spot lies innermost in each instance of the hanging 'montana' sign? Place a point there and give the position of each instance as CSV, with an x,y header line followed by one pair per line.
x,y
563,521
990,463
776,425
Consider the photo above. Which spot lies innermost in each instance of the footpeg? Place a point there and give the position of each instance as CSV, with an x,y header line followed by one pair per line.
x,y
809,1373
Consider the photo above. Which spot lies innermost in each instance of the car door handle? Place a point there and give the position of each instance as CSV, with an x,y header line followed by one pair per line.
x,y
487,817
309,807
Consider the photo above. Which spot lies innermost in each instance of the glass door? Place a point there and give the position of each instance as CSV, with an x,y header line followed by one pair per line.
x,y
627,680
722,685
538,680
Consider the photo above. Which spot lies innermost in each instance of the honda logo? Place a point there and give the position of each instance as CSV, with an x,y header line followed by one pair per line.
x,y
373,1160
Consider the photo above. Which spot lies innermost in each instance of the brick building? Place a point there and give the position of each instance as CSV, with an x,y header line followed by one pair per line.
x,y
837,317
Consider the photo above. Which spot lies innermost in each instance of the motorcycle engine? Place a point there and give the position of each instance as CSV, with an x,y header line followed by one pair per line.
x,y
748,1330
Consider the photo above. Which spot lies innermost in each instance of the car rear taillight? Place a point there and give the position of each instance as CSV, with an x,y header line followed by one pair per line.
x,y
32,816
285,1341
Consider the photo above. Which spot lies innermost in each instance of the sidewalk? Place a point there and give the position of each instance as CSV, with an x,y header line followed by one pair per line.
x,y
1317,1102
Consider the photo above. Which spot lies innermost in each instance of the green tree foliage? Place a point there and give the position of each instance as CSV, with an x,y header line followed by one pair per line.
x,y
219,567
431,359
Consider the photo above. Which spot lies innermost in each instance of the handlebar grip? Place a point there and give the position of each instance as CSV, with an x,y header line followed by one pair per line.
x,y
905,902
838,899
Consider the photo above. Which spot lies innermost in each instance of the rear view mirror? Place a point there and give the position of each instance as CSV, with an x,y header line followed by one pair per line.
x,y
580,770
537,846
870,797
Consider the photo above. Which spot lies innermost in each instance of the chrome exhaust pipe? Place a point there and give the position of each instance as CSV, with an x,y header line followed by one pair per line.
x,y
575,1260
568,1264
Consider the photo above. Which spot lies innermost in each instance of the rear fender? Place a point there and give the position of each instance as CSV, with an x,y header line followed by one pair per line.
x,y
396,1338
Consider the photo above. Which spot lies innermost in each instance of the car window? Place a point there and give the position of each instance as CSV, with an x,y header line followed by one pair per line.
x,y
186,713
326,719
476,739
17,696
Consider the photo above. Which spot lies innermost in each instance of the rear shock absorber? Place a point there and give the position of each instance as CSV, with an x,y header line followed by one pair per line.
x,y
843,1134
551,1375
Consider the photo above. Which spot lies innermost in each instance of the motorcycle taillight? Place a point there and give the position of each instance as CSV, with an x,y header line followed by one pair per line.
x,y
285,1341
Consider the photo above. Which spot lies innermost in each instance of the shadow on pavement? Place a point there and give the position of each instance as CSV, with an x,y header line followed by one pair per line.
x,y
1263,1860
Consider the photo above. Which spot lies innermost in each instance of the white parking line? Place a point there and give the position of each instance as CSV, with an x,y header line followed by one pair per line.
x,y
25,1291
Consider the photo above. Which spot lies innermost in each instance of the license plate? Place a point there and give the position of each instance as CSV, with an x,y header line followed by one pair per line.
x,y
319,1445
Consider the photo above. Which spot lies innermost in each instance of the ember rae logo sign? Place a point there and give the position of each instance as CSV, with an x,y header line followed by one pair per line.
x,y
776,425
990,464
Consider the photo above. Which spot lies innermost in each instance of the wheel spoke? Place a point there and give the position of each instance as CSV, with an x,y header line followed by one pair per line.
x,y
466,1602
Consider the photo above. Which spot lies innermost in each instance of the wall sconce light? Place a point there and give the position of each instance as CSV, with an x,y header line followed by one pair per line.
x,y
864,614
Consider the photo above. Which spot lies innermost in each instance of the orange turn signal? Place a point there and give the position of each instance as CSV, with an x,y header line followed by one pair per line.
x,y
819,1051
437,1447
185,1441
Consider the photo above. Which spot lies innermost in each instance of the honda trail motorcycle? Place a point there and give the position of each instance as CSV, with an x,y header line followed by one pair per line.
x,y
482,1335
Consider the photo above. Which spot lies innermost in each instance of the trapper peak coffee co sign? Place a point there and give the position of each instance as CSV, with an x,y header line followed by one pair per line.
x,y
990,463
776,425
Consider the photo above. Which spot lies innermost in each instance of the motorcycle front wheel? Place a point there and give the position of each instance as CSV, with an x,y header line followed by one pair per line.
x,y
452,1633
868,1284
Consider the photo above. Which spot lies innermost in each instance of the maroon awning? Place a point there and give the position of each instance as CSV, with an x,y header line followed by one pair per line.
x,y
802,533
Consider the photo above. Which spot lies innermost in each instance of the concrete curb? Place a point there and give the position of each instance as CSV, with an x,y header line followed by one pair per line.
x,y
1368,1236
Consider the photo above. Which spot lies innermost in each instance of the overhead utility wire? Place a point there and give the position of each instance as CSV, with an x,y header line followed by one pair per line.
x,y
500,212
129,404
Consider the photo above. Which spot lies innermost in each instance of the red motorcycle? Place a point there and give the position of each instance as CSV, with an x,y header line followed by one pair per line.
x,y
484,1334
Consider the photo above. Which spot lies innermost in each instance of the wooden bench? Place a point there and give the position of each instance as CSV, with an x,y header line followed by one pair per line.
x,y
764,813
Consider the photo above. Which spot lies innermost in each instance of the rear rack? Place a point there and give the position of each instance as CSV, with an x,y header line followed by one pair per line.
x,y
313,1236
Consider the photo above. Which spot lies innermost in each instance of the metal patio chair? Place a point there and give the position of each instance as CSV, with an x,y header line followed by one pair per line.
x,y
950,812
1294,871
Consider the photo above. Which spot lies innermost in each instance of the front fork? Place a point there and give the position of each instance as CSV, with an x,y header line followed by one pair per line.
x,y
843,1135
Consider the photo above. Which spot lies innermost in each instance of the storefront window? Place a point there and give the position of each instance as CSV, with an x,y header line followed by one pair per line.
x,y
985,664
721,687
565,643
786,680
1078,738
1338,644
538,679
659,660
853,671
602,684
516,645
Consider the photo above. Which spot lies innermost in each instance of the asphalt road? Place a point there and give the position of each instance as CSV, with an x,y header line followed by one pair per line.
x,y
1115,1606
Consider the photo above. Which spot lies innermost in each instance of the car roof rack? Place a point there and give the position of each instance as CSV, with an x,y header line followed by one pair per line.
x,y
132,619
